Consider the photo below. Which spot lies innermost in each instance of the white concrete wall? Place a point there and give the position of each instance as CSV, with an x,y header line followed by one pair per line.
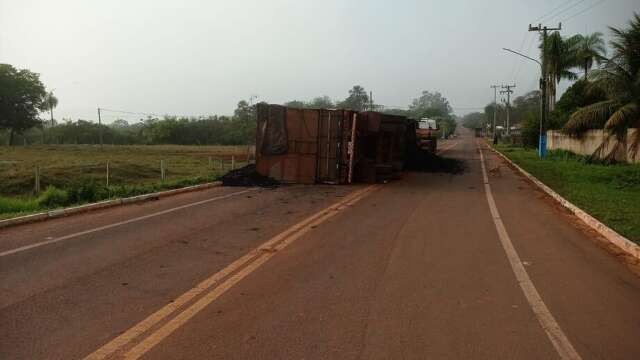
x,y
589,142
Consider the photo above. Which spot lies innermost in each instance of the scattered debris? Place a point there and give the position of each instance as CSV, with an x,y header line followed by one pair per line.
x,y
495,172
247,176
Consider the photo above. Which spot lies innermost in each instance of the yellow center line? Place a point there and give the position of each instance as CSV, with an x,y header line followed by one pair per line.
x,y
254,259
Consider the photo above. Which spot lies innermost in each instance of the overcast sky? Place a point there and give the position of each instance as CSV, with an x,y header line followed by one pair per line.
x,y
202,57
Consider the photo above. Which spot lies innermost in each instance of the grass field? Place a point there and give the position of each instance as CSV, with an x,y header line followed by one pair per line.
x,y
67,165
81,170
610,193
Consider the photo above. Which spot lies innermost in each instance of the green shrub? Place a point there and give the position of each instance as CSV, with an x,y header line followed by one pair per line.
x,y
53,197
17,205
87,191
530,130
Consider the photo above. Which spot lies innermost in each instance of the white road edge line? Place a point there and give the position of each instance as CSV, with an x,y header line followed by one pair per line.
x,y
120,223
555,334
608,233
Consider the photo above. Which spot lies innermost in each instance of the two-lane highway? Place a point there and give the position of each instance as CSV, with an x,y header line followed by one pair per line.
x,y
434,266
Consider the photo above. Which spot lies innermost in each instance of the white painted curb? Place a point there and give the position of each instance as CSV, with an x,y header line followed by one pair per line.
x,y
102,205
611,235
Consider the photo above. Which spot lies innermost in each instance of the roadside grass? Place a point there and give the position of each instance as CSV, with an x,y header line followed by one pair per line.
x,y
76,174
65,166
610,193
53,198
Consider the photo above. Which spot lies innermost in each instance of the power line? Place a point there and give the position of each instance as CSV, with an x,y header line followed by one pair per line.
x,y
565,10
519,68
584,10
129,112
406,107
531,42
151,114
552,11
515,62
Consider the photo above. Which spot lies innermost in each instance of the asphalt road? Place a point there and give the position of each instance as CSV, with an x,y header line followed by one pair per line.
x,y
421,268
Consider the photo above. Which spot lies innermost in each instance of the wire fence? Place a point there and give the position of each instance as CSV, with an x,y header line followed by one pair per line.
x,y
34,177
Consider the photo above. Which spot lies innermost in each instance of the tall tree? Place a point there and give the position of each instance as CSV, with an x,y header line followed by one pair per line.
x,y
579,94
430,105
620,79
246,115
357,99
492,108
50,102
590,49
561,56
474,120
322,102
298,104
22,95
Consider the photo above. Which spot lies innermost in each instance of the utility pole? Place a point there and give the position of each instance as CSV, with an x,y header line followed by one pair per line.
x,y
371,101
51,113
495,105
542,144
508,91
100,127
253,113
51,109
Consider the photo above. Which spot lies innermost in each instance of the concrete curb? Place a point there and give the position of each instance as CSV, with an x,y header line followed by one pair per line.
x,y
611,235
102,205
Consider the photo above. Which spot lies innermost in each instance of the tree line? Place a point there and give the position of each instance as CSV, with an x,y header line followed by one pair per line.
x,y
25,104
605,93
429,104
237,129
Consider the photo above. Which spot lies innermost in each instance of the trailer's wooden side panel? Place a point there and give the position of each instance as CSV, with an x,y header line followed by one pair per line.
x,y
318,143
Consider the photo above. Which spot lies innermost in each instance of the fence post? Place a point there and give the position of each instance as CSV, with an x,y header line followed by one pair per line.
x,y
37,183
233,162
107,173
162,175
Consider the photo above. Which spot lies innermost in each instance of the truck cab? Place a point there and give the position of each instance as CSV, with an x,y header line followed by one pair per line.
x,y
427,133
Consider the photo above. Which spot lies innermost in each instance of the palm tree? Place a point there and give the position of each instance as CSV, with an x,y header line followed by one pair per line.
x,y
619,77
560,56
49,103
590,49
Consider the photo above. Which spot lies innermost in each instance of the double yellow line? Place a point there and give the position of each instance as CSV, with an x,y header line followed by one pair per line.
x,y
156,327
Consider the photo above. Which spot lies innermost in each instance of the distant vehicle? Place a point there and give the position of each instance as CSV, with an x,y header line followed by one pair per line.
x,y
427,133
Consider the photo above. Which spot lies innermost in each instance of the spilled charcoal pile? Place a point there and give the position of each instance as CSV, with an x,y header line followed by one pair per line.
x,y
426,161
248,176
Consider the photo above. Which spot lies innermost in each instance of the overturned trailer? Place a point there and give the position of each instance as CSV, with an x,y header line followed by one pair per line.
x,y
308,146
383,146
304,146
